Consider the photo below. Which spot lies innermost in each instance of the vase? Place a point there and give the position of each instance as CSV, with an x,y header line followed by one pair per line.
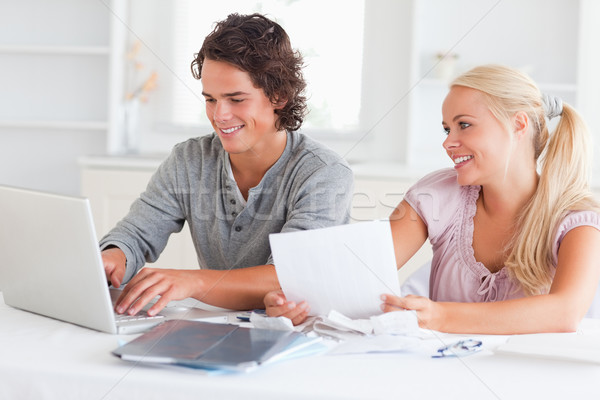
x,y
131,136
444,68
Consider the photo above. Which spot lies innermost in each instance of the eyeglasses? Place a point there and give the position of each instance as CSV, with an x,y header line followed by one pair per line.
x,y
459,349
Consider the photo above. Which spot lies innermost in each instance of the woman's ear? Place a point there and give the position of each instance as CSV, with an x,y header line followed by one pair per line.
x,y
521,124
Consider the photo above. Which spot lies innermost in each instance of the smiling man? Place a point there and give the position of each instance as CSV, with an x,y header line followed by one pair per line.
x,y
253,176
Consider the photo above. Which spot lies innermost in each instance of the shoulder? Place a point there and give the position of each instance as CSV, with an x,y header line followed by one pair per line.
x,y
573,220
304,146
440,201
187,160
438,188
309,156
203,146
193,154
443,178
577,218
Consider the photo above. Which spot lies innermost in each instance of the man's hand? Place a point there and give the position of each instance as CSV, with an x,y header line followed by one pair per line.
x,y
276,305
114,265
169,284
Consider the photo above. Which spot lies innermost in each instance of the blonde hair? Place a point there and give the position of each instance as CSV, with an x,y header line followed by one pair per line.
x,y
563,160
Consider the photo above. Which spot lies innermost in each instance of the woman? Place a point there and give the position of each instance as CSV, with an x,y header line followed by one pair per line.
x,y
514,250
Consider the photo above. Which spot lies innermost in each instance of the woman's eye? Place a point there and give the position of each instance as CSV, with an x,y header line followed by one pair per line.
x,y
446,130
464,125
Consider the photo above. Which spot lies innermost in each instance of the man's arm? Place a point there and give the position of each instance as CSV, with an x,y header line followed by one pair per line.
x,y
323,199
143,233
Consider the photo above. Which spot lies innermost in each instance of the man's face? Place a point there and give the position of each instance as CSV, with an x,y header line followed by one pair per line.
x,y
241,114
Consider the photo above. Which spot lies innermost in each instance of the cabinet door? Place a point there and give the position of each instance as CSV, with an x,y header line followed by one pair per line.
x,y
111,193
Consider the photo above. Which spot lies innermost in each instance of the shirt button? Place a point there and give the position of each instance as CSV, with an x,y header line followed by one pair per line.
x,y
234,214
238,228
232,201
228,187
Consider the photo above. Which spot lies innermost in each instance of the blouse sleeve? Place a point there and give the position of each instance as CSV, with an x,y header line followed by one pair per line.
x,y
436,198
571,221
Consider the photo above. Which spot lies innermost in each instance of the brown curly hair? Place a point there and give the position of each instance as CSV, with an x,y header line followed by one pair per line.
x,y
260,47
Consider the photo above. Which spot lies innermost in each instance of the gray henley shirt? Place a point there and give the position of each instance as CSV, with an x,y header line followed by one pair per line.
x,y
308,187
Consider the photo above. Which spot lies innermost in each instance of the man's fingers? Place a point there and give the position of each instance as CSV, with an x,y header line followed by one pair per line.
x,y
114,279
137,294
274,299
300,318
297,313
159,305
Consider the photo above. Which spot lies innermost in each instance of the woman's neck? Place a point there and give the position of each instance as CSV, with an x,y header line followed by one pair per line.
x,y
506,199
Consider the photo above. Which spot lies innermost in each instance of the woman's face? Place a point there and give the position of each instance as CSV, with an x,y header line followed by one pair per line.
x,y
477,143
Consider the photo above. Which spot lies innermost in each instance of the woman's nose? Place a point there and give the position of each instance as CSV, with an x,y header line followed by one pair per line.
x,y
450,142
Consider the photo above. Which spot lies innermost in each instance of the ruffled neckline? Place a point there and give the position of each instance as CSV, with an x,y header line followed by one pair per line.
x,y
466,227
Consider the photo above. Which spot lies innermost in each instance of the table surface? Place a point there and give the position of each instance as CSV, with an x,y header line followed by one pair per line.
x,y
41,358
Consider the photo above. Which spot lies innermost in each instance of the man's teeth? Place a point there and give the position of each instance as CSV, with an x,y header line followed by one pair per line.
x,y
230,130
462,159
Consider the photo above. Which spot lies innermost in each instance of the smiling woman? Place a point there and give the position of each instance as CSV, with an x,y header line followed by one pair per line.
x,y
514,251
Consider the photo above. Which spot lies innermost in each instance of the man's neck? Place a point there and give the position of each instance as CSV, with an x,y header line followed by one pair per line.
x,y
249,168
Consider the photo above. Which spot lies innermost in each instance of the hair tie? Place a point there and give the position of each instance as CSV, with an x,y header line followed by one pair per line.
x,y
553,106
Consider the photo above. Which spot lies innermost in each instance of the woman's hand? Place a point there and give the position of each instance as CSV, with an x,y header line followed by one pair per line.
x,y
429,313
276,305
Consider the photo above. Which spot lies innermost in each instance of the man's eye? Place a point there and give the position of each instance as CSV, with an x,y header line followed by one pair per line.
x,y
237,100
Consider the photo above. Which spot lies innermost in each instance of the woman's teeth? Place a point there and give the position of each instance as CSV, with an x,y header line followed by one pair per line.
x,y
462,159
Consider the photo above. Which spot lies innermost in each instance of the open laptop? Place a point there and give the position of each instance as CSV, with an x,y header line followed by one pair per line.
x,y
50,264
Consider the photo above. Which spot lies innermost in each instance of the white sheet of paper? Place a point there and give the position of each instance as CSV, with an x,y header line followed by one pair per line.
x,y
344,268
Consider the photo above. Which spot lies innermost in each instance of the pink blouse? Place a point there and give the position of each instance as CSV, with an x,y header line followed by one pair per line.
x,y
448,210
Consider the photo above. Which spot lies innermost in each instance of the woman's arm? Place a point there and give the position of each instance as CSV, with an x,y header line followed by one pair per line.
x,y
561,310
409,232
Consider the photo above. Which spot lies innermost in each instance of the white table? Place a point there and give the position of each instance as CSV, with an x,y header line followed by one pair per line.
x,y
41,358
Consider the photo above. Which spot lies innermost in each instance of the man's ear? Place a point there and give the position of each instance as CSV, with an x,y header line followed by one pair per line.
x,y
521,124
279,103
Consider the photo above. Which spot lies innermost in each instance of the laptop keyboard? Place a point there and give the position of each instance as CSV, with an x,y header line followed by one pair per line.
x,y
141,316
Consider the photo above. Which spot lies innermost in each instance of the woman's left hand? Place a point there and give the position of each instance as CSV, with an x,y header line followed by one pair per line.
x,y
429,313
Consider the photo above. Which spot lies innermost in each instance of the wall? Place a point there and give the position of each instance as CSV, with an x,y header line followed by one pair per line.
x,y
56,87
53,97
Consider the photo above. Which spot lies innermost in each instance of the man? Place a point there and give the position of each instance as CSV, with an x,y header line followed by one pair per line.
x,y
253,176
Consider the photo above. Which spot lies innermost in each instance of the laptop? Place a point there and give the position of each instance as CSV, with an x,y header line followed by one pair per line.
x,y
51,265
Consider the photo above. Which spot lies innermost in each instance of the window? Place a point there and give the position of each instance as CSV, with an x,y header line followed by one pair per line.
x,y
332,56
358,70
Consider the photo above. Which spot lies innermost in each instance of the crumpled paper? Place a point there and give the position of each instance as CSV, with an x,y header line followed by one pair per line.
x,y
337,326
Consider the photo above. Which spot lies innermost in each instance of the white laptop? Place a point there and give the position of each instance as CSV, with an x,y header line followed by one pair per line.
x,y
50,264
